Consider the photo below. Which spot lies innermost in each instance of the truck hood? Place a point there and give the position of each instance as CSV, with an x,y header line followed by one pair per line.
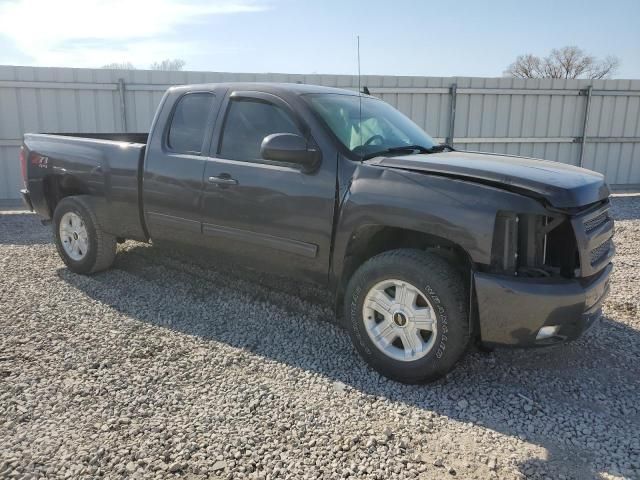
x,y
561,185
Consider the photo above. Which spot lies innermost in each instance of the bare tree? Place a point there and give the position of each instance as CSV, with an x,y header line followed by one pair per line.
x,y
120,66
168,64
525,66
566,62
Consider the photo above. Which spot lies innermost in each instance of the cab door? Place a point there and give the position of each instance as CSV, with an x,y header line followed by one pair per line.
x,y
263,214
174,164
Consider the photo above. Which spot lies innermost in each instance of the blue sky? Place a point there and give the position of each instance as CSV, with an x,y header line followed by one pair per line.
x,y
399,37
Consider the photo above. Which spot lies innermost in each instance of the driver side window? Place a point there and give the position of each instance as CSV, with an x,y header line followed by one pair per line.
x,y
247,122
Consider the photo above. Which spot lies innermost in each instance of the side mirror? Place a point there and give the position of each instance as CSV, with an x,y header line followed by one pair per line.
x,y
289,148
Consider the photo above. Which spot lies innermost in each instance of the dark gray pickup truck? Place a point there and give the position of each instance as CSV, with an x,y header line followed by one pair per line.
x,y
426,248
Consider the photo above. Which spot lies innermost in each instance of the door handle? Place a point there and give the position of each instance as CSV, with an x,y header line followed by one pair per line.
x,y
223,179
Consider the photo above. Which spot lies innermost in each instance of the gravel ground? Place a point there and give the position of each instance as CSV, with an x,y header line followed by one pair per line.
x,y
165,367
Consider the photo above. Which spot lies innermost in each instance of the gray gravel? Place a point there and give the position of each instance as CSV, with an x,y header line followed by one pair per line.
x,y
164,367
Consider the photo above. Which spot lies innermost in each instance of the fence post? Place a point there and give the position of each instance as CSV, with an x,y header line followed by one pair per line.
x,y
587,107
452,114
123,105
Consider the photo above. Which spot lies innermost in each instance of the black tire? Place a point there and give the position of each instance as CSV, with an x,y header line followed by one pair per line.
x,y
441,284
101,250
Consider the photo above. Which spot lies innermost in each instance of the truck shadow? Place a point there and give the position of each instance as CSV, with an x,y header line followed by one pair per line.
x,y
556,398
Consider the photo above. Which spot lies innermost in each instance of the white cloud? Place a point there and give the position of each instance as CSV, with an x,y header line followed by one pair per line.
x,y
91,33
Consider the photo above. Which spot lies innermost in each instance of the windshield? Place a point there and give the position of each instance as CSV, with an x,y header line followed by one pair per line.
x,y
382,126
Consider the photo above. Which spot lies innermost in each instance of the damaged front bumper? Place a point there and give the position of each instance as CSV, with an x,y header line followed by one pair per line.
x,y
512,311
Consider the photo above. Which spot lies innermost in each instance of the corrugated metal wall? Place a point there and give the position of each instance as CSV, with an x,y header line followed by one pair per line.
x,y
539,118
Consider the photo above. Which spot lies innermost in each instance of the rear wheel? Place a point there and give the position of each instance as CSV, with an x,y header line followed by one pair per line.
x,y
407,315
82,244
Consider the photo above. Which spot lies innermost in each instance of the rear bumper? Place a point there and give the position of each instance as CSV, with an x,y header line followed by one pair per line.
x,y
512,310
26,198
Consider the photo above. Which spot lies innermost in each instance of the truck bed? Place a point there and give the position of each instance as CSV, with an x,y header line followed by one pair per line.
x,y
116,137
105,166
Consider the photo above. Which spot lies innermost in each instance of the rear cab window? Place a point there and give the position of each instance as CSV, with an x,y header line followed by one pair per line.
x,y
189,123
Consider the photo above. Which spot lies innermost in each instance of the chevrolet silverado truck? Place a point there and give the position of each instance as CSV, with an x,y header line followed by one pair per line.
x,y
425,248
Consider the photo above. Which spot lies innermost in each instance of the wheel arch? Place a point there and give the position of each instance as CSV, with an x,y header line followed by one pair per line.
x,y
57,187
369,240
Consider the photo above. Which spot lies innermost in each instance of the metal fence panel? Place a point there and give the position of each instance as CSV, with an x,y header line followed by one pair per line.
x,y
536,118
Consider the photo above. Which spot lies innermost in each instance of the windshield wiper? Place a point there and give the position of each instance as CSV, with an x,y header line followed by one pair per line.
x,y
409,148
440,148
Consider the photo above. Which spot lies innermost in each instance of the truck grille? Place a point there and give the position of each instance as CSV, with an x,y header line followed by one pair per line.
x,y
591,225
594,231
599,252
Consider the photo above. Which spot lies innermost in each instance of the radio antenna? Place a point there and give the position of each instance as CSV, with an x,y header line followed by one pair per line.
x,y
358,49
359,92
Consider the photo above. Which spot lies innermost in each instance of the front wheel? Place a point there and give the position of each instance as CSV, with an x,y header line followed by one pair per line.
x,y
407,315
82,244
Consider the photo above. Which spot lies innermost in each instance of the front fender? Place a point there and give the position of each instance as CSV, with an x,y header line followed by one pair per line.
x,y
459,211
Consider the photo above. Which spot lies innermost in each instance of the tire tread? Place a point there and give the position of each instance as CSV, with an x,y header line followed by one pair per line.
x,y
449,281
106,244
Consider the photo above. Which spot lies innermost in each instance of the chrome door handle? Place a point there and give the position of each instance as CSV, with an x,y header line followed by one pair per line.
x,y
223,179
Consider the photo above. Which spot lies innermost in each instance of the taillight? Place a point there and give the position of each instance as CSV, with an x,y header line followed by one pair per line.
x,y
23,164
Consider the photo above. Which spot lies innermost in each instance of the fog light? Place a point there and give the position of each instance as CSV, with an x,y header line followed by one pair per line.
x,y
547,332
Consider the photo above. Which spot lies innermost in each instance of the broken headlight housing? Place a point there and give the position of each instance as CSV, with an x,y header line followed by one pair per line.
x,y
533,245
